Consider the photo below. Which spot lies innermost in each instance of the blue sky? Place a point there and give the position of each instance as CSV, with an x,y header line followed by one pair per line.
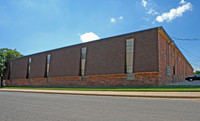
x,y
32,26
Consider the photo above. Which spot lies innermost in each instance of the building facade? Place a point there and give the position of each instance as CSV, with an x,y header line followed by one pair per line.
x,y
143,58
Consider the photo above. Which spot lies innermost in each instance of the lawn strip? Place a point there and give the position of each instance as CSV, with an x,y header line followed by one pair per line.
x,y
166,88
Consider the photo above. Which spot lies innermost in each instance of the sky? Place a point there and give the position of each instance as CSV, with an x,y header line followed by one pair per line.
x,y
32,26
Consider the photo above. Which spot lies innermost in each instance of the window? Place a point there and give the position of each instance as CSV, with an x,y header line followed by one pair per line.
x,y
29,60
48,64
48,58
83,60
129,55
173,53
168,49
29,68
83,53
168,70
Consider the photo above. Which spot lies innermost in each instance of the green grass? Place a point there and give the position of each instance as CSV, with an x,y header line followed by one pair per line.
x,y
171,88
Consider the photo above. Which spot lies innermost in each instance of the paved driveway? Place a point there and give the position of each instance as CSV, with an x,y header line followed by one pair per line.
x,y
185,82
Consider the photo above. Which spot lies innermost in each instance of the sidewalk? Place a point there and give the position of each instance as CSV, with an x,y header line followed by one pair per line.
x,y
195,95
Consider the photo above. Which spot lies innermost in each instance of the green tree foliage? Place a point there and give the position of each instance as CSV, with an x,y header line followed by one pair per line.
x,y
196,72
5,55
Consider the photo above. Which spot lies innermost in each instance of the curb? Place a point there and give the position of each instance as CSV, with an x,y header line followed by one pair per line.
x,y
104,93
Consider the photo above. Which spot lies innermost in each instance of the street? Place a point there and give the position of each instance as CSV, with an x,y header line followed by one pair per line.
x,y
17,106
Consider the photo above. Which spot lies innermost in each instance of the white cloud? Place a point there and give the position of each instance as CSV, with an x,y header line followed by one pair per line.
x,y
152,11
121,17
144,3
90,36
112,20
148,8
173,13
182,2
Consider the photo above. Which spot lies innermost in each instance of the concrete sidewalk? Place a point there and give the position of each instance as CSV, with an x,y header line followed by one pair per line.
x,y
195,95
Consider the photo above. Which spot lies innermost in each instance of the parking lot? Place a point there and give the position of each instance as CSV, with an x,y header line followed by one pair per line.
x,y
185,82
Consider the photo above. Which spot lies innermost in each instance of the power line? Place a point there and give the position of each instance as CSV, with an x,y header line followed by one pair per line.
x,y
189,53
187,39
193,57
196,65
194,60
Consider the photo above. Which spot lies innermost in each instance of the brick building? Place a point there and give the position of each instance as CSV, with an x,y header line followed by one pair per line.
x,y
143,58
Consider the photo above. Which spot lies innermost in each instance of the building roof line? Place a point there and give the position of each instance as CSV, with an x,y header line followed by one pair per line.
x,y
174,44
85,42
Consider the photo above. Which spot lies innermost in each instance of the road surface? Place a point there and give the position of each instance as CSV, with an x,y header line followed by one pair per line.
x,y
17,106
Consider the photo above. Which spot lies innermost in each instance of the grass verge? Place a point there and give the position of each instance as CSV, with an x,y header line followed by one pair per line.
x,y
166,88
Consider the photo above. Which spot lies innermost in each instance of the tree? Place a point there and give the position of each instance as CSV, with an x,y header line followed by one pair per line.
x,y
196,72
5,55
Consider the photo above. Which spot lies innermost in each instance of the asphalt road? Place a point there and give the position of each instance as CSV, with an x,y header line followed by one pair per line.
x,y
17,106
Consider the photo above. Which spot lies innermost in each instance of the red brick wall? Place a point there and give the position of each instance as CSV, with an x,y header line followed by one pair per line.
x,y
38,65
65,62
181,65
114,80
19,68
162,45
105,56
18,82
106,63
